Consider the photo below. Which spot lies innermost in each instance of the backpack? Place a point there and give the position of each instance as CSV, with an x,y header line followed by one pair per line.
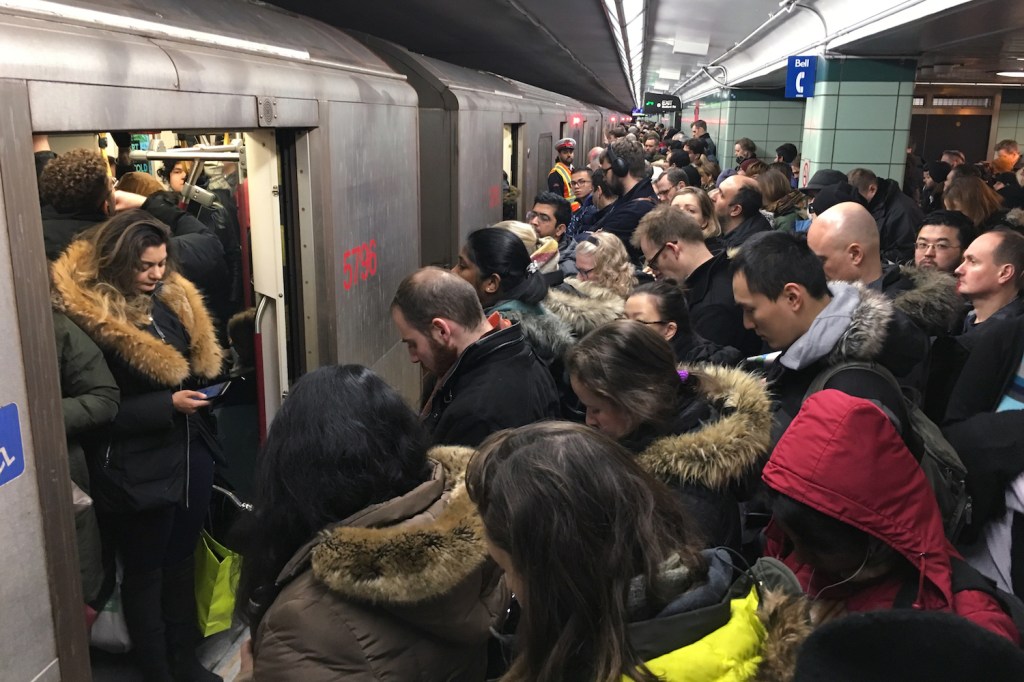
x,y
966,577
938,459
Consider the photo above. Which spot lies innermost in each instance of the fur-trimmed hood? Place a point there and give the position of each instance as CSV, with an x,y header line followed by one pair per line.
x,y
722,451
932,303
547,333
787,624
592,307
866,334
141,350
415,559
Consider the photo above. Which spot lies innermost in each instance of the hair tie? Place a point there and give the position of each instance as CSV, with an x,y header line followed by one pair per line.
x,y
683,375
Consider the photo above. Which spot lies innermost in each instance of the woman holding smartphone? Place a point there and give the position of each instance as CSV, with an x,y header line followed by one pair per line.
x,y
152,468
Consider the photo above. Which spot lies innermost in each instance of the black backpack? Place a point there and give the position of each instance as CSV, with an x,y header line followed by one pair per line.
x,y
939,461
967,577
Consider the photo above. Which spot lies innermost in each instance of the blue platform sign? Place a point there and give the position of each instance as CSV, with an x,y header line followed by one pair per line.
x,y
12,455
800,73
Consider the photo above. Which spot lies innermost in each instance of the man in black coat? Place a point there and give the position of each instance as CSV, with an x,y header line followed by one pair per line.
x,y
985,423
673,244
897,215
625,170
76,192
484,375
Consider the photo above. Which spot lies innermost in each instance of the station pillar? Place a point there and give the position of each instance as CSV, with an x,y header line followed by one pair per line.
x,y
859,117
764,116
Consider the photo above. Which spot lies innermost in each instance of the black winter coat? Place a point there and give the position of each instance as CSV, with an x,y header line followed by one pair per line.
x,y
624,215
60,229
898,217
497,383
140,461
713,310
990,443
748,228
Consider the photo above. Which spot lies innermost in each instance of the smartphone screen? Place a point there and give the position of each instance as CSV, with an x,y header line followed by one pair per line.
x,y
215,391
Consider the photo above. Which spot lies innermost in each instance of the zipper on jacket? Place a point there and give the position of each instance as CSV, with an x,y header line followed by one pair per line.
x,y
188,455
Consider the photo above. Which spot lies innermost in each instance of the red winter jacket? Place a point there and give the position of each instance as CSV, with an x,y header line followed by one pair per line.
x,y
842,457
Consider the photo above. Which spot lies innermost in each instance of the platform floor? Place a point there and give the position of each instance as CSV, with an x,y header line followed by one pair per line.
x,y
220,653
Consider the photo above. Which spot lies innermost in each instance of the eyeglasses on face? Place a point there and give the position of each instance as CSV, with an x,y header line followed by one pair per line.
x,y
576,183
938,247
653,260
652,322
543,217
585,273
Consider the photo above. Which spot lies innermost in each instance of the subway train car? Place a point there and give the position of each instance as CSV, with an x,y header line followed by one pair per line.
x,y
462,112
328,132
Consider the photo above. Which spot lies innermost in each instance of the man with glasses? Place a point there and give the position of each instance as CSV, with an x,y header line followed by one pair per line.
x,y
583,188
941,241
550,217
673,246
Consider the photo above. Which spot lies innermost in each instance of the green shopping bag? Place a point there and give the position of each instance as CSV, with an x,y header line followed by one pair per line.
x,y
216,578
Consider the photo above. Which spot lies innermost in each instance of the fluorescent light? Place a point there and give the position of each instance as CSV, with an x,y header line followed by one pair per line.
x,y
1010,74
148,28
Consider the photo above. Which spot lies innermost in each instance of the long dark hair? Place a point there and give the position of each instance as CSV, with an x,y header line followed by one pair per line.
x,y
634,368
118,245
495,251
343,440
580,520
670,300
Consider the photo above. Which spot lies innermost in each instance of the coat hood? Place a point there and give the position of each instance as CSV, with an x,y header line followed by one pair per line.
x,y
853,327
933,303
586,310
549,334
722,451
821,461
114,330
405,551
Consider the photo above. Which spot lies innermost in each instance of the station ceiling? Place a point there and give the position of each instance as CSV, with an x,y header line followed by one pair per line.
x,y
569,46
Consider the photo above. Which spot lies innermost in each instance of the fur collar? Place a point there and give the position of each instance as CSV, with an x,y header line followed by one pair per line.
x,y
141,350
407,564
866,335
787,623
549,334
933,303
583,313
722,451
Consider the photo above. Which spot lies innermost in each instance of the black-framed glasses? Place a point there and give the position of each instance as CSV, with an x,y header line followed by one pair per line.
x,y
652,322
653,260
585,273
580,182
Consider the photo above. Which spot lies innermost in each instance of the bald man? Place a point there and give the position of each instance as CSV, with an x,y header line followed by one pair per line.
x,y
846,239
738,207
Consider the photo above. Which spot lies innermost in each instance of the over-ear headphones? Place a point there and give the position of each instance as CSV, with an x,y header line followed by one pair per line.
x,y
619,166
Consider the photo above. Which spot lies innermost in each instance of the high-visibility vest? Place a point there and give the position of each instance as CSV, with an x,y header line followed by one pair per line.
x,y
564,172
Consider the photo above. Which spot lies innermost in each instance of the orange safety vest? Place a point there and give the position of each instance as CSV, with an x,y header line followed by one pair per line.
x,y
564,172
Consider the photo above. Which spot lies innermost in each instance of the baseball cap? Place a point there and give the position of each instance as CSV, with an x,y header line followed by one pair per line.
x,y
824,178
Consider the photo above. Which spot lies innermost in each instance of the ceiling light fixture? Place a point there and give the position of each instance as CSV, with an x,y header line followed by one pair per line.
x,y
1010,74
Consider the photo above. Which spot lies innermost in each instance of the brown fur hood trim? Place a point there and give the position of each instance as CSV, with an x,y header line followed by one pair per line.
x,y
586,312
787,620
140,349
722,451
406,564
933,304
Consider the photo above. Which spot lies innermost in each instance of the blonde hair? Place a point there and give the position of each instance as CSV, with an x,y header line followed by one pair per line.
x,y
612,267
524,231
712,228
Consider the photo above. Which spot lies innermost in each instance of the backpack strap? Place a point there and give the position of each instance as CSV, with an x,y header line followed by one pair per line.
x,y
967,577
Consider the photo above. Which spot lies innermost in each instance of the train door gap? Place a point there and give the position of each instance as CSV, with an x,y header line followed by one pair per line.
x,y
288,196
512,166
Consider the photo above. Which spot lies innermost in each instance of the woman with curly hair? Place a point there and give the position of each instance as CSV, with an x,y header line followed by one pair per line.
x,y
602,259
151,470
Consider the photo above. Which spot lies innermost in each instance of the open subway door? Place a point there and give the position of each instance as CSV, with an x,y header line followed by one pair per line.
x,y
267,248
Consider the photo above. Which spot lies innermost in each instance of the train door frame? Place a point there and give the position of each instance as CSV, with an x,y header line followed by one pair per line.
x,y
517,161
545,148
45,447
